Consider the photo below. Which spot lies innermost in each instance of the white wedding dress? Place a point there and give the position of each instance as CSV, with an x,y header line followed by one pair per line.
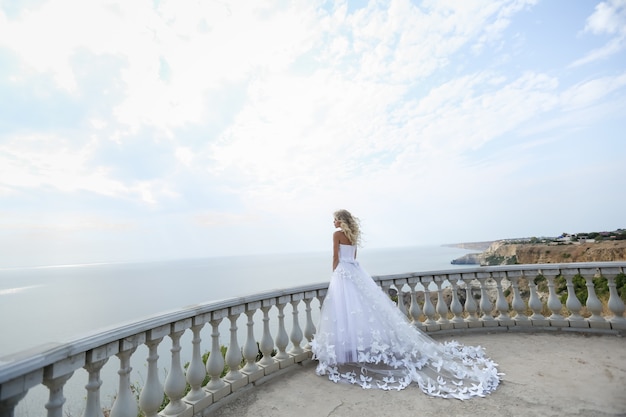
x,y
364,339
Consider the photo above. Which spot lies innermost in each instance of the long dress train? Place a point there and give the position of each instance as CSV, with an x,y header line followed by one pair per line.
x,y
364,339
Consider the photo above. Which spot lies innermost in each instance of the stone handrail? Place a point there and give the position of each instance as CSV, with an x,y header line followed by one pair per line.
x,y
188,395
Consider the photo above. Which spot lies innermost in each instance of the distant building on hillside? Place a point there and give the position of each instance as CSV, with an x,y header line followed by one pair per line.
x,y
564,238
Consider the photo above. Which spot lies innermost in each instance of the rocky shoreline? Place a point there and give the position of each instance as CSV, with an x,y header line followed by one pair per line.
x,y
505,253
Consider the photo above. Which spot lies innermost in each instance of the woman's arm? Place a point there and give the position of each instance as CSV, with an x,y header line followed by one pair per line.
x,y
335,249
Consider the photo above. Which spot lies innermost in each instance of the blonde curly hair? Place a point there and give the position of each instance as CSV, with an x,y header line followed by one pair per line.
x,y
349,225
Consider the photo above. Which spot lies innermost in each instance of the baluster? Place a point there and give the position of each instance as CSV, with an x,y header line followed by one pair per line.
x,y
504,319
125,404
616,305
175,382
442,308
400,303
151,396
386,286
56,398
534,303
414,308
233,354
485,304
398,284
518,305
215,364
321,295
55,376
429,309
267,343
556,319
296,331
92,406
282,340
594,305
309,328
7,405
573,303
455,305
251,350
196,371
470,303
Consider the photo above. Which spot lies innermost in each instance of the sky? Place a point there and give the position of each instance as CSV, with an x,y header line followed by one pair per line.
x,y
154,130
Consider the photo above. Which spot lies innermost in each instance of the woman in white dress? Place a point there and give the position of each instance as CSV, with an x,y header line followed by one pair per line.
x,y
364,339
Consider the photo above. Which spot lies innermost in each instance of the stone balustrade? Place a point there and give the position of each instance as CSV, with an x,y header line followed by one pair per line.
x,y
458,300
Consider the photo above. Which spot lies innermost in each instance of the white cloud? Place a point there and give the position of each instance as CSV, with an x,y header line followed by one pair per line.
x,y
224,219
588,93
294,126
608,18
205,122
204,44
611,48
37,162
65,223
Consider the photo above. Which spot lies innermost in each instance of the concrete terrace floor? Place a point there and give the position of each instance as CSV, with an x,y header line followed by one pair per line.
x,y
547,374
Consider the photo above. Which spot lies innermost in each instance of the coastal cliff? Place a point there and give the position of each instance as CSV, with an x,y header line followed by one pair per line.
x,y
503,253
561,250
584,252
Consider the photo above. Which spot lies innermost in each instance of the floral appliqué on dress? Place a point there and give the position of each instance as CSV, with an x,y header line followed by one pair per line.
x,y
364,339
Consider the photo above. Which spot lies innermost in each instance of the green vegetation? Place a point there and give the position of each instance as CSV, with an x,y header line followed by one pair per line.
x,y
494,256
136,388
494,259
618,234
600,285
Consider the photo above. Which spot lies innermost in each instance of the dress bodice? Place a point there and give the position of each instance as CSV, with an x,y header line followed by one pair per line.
x,y
347,253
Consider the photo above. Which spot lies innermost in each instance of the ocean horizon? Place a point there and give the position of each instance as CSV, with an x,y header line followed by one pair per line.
x,y
40,306
57,303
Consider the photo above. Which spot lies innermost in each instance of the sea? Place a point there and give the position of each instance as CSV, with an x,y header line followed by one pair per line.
x,y
56,304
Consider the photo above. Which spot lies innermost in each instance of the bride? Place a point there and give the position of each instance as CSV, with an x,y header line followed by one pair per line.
x,y
364,339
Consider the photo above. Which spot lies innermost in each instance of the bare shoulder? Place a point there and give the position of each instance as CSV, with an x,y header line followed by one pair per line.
x,y
341,237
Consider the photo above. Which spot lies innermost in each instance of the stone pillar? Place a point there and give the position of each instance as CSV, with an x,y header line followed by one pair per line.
x,y
503,319
175,383
92,406
573,303
296,332
429,309
470,304
125,404
216,386
309,328
234,377
534,303
485,304
152,392
414,308
442,308
196,372
56,398
556,319
455,305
